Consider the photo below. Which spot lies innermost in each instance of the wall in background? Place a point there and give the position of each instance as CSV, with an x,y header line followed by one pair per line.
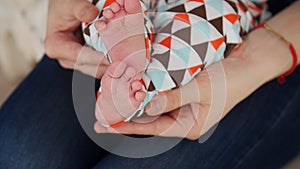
x,y
22,32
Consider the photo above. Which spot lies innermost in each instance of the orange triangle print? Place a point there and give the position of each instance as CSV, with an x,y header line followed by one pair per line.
x,y
108,2
147,48
232,18
183,17
167,42
194,69
98,94
217,43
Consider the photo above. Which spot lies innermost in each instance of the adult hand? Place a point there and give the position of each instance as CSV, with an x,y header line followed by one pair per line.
x,y
216,90
64,39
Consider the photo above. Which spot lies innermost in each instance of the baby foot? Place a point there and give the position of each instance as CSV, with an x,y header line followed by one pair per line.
x,y
122,31
121,94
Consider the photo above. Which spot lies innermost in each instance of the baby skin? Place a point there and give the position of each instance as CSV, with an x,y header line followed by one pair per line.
x,y
122,31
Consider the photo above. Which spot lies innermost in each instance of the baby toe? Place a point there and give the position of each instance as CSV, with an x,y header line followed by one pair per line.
x,y
108,13
120,2
140,96
135,86
115,7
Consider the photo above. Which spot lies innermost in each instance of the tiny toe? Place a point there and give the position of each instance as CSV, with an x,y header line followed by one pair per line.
x,y
100,25
108,13
132,6
115,7
140,96
136,86
120,2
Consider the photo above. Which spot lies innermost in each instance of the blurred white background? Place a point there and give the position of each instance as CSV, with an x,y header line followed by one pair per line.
x,y
22,32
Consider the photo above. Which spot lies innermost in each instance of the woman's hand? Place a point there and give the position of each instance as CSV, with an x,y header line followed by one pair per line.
x,y
64,39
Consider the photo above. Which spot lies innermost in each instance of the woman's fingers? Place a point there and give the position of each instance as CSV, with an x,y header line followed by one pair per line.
x,y
179,123
96,71
84,11
64,47
174,99
157,128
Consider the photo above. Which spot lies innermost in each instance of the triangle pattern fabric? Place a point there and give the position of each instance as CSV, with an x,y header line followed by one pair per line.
x,y
156,77
218,24
212,9
195,69
175,62
217,43
163,58
183,54
216,4
191,5
184,34
201,49
177,76
167,42
178,9
178,25
184,17
199,11
166,28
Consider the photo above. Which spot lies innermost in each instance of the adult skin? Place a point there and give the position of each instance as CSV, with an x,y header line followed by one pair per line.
x,y
261,58
64,38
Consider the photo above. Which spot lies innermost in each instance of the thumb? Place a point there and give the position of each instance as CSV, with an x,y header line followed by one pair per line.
x,y
174,99
84,11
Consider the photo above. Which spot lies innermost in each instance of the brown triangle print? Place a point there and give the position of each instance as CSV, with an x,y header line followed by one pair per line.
x,y
229,48
87,30
184,34
180,9
200,11
163,58
151,87
167,28
201,49
218,24
95,2
233,5
177,76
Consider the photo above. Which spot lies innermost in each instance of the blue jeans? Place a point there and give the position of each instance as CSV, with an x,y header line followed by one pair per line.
x,y
39,129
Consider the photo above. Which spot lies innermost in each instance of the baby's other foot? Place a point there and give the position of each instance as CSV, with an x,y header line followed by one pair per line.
x,y
121,94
